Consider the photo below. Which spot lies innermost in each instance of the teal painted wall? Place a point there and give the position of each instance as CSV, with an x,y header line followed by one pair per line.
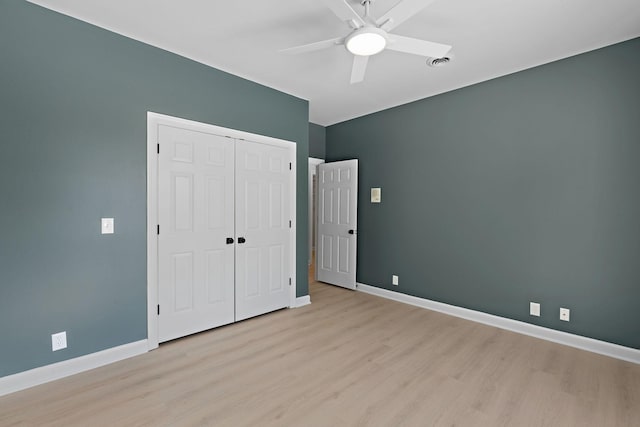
x,y
523,188
317,141
73,104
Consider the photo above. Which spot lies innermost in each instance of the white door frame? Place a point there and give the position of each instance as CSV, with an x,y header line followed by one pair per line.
x,y
153,121
313,167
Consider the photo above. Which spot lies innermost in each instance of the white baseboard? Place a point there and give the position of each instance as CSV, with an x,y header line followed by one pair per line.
x,y
302,301
44,374
596,346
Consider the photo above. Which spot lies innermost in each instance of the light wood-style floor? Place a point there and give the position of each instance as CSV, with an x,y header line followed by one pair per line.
x,y
348,359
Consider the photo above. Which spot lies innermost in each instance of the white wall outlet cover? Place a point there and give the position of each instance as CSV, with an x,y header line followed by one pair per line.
x,y
394,280
107,226
534,309
376,195
564,314
59,341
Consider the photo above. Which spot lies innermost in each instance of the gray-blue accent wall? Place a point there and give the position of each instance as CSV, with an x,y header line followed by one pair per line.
x,y
317,141
73,104
523,188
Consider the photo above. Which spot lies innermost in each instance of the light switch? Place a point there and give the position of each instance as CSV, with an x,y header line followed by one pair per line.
x,y
375,195
107,226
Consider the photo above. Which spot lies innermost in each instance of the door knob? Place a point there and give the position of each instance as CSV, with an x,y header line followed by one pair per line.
x,y
352,231
229,240
241,240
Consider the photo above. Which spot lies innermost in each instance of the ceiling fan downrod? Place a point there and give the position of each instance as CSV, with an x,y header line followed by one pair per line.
x,y
367,5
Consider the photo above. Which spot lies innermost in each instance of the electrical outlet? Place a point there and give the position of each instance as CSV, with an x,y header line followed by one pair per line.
x,y
564,314
59,341
534,309
394,280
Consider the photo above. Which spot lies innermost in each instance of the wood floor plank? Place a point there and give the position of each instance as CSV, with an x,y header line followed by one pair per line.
x,y
348,359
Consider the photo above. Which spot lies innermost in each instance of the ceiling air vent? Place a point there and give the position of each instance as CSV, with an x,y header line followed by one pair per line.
x,y
439,62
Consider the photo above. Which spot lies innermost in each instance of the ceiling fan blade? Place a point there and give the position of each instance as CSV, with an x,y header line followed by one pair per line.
x,y
345,12
417,46
324,44
359,68
401,12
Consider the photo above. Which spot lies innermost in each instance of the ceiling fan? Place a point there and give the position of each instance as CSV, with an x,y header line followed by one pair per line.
x,y
371,36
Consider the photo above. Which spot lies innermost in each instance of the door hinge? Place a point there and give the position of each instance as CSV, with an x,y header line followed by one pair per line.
x,y
289,165
158,231
289,223
158,309
289,281
158,148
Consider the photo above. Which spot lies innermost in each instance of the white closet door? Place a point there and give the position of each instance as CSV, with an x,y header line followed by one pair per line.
x,y
262,228
196,216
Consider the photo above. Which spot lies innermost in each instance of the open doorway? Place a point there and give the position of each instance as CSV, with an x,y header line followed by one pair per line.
x,y
313,168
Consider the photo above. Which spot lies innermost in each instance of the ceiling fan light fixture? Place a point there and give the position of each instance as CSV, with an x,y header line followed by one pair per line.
x,y
366,41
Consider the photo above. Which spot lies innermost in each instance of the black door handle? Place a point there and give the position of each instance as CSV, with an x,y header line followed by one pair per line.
x,y
229,240
241,240
352,231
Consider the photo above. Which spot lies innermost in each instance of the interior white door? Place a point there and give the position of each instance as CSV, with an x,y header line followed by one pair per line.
x,y
196,217
263,227
337,223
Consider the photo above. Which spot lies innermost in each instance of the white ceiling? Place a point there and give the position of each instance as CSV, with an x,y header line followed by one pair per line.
x,y
490,38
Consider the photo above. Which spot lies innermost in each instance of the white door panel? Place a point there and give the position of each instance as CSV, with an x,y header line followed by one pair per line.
x,y
196,215
337,223
262,220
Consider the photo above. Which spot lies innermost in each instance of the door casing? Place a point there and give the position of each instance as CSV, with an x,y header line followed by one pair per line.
x,y
313,166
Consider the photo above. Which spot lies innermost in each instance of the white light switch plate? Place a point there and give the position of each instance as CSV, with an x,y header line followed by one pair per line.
x,y
107,226
376,195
